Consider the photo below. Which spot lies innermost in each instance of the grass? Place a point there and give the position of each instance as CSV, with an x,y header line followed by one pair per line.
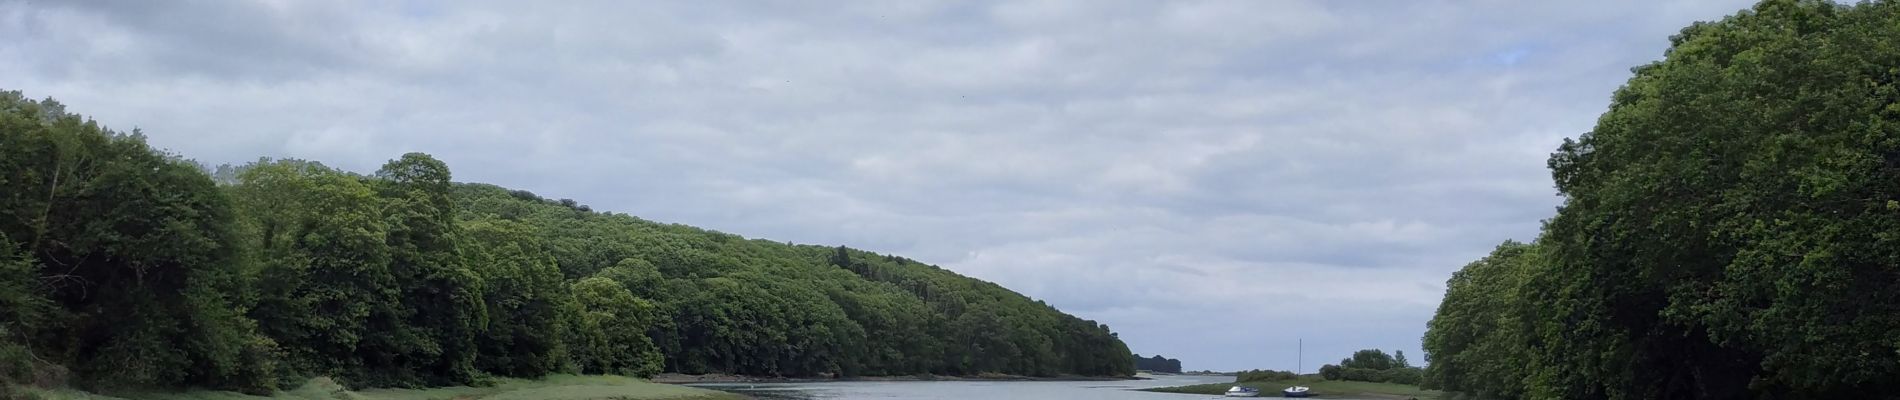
x,y
1320,388
556,387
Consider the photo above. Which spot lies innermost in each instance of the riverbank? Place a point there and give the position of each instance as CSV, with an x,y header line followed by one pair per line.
x,y
1320,388
556,387
725,378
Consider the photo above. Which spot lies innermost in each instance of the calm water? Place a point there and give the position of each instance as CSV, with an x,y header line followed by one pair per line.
x,y
1106,390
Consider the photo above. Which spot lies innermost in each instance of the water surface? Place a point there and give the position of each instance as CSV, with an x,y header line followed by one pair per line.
x,y
1106,390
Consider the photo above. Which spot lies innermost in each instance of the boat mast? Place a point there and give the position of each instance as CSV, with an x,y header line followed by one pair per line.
x,y
1299,367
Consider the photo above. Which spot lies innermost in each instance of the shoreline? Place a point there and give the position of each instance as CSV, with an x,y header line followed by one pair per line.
x,y
552,387
675,378
1320,389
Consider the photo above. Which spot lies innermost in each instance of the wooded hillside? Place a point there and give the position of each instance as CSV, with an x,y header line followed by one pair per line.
x,y
122,265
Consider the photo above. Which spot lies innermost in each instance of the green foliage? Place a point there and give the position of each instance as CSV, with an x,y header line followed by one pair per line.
x,y
134,269
1320,388
1478,341
524,297
1373,359
317,240
1406,376
553,387
1373,365
1727,230
443,305
131,255
1402,375
613,330
1264,375
1158,364
1332,372
765,308
22,312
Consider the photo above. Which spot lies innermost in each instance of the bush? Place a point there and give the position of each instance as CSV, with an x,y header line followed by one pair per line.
x,y
1359,374
16,365
1373,359
1331,372
1408,376
1264,375
21,309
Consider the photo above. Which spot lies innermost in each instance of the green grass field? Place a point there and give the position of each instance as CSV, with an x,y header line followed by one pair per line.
x,y
1321,389
557,387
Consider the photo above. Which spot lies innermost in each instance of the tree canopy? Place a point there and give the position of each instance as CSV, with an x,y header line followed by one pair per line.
x,y
1158,364
121,265
1727,231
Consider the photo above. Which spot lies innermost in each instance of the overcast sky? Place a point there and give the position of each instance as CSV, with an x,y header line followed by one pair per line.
x,y
1214,180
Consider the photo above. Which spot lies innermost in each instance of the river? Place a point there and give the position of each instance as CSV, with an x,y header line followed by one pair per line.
x,y
934,390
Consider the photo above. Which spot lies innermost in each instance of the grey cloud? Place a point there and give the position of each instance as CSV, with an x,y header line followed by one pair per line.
x,y
1315,169
203,39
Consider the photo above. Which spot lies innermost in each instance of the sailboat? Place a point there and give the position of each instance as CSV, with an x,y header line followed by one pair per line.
x,y
1299,368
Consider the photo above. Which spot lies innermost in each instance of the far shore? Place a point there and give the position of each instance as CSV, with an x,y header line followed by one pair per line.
x,y
727,378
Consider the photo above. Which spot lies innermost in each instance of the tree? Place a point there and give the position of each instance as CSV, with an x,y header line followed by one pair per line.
x,y
24,313
130,247
988,346
1479,340
523,297
1727,216
317,239
614,329
1726,230
1373,359
1158,364
1331,372
133,267
1373,365
639,277
1398,359
436,345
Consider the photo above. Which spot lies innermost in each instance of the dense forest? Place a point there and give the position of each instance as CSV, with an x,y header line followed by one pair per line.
x,y
1729,229
1158,364
125,266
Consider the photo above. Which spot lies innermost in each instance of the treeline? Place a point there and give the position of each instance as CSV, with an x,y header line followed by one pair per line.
x,y
1264,375
1158,364
1730,229
121,265
1373,365
759,307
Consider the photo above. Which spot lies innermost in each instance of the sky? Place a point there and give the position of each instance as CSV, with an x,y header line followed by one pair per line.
x,y
1218,181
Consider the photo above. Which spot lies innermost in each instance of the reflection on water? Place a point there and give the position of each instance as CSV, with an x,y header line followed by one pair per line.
x,y
1108,390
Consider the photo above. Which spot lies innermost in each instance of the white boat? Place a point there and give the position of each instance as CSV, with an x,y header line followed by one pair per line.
x,y
1295,391
1243,391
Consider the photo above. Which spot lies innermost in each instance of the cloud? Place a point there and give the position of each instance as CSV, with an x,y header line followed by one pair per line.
x,y
1215,179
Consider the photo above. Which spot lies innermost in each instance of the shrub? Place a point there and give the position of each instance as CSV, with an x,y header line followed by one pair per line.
x,y
1264,375
1359,374
16,365
1408,376
1331,372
